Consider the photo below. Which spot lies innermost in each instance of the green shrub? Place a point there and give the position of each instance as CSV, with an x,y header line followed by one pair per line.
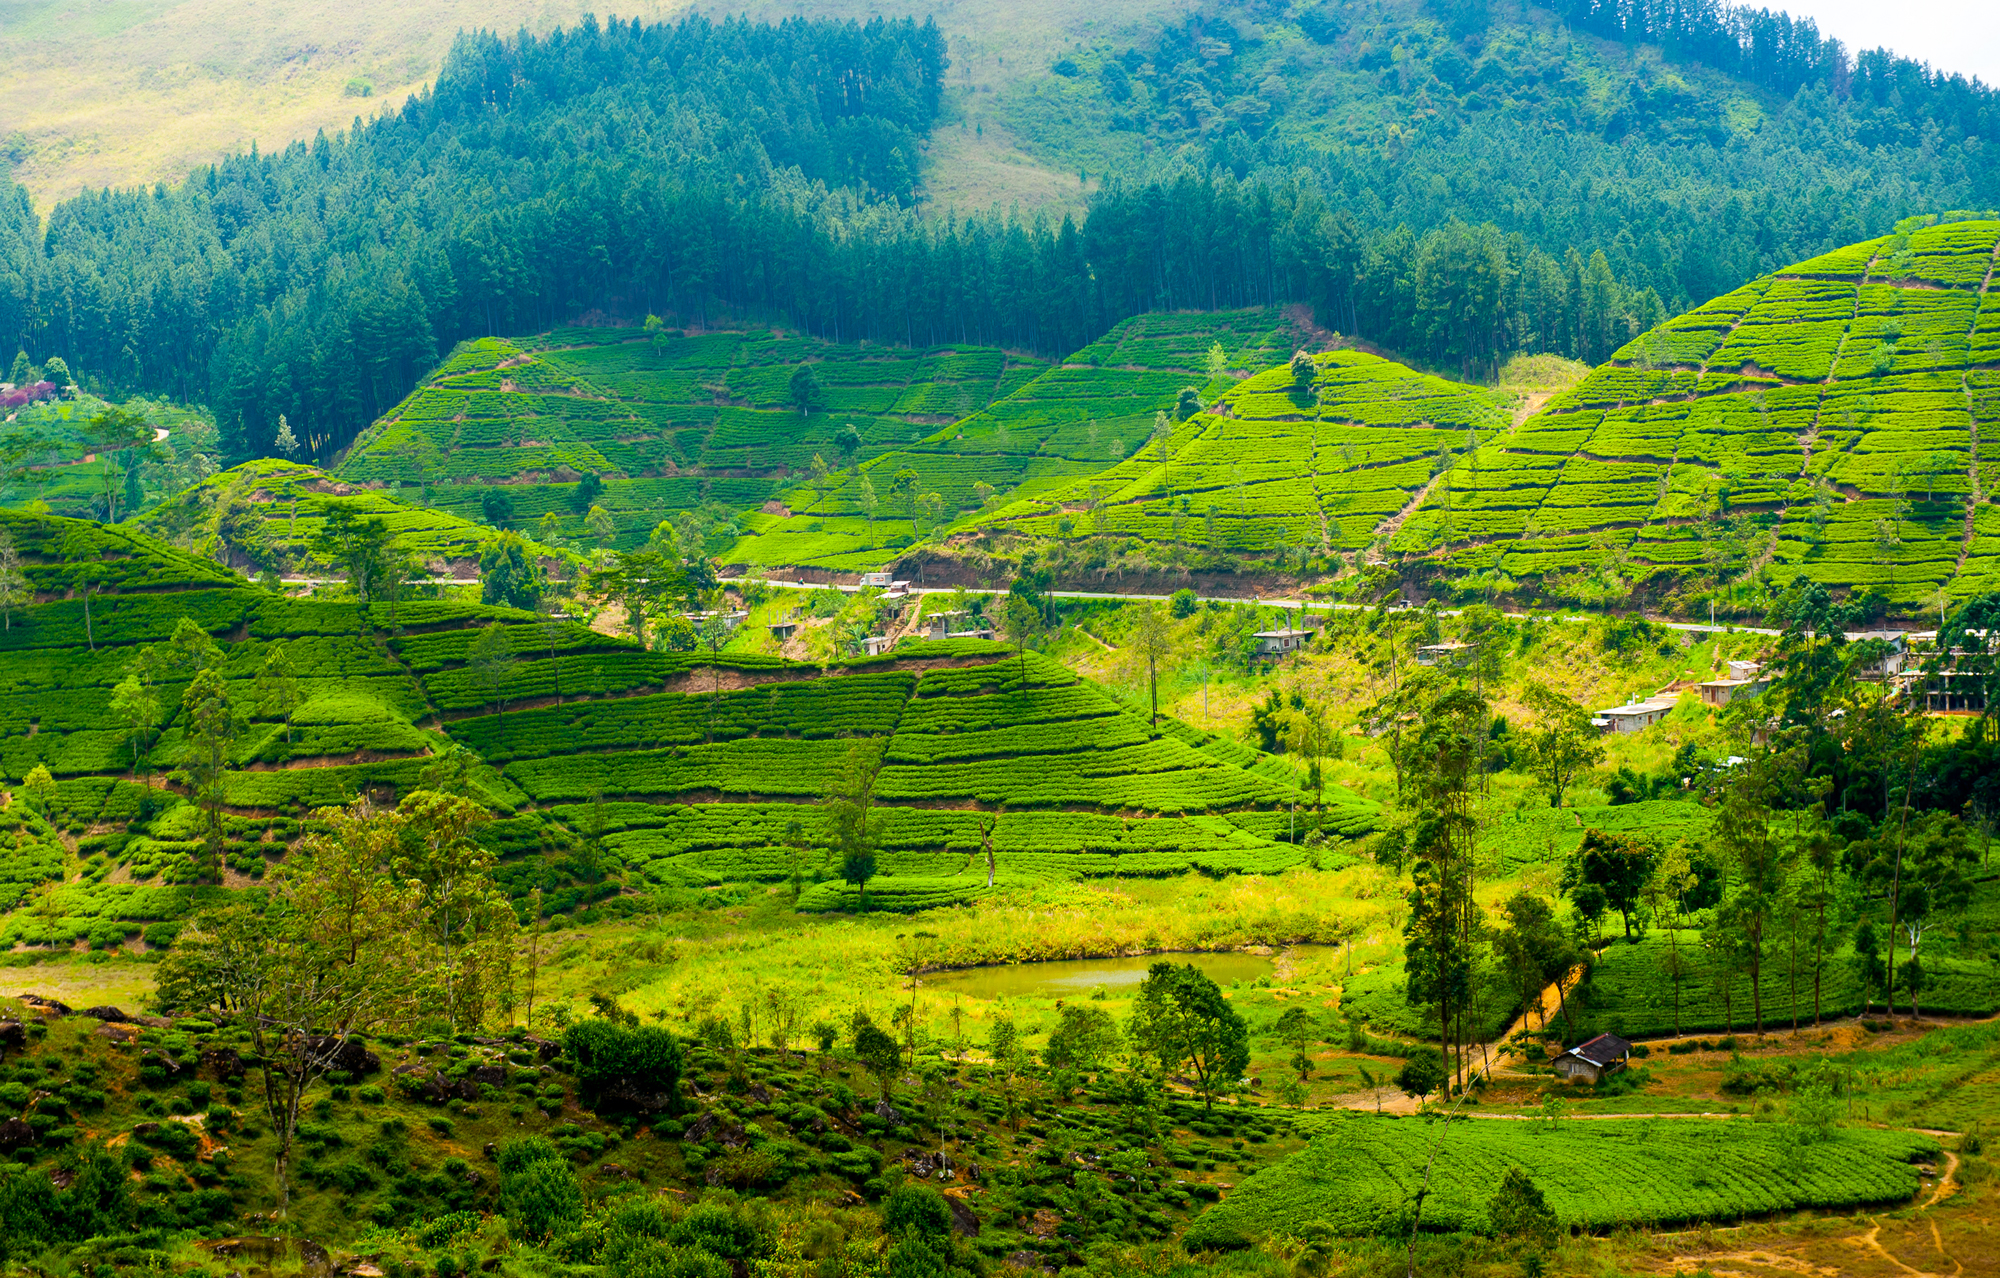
x,y
632,1066
539,1191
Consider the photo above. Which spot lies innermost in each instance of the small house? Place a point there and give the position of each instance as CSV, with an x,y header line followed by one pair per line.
x,y
1635,715
730,620
1746,679
1593,1061
940,625
783,630
982,633
1889,664
1444,654
876,645
1276,643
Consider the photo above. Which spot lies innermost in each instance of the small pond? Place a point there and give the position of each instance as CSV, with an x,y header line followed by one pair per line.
x,y
1057,978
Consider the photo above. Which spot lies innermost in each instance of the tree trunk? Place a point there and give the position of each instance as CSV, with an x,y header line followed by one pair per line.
x,y
1756,975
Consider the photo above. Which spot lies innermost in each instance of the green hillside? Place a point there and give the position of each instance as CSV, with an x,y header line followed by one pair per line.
x,y
581,740
265,516
1069,421
709,425
52,453
1271,465
1836,420
680,423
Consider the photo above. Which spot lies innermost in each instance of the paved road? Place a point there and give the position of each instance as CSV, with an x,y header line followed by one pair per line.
x,y
1700,628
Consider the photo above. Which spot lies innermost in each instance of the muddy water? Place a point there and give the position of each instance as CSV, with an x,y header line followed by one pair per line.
x,y
1058,978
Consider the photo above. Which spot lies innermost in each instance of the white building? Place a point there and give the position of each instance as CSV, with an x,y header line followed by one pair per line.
x,y
1444,654
1635,715
1276,643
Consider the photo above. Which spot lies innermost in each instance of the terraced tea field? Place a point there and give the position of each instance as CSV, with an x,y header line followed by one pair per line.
x,y
667,424
1362,1174
1271,464
1045,436
266,515
670,769
1845,405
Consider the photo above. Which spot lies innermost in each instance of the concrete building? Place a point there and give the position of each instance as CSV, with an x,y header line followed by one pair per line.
x,y
1890,664
1445,654
1745,679
1955,682
1634,715
1276,643
730,620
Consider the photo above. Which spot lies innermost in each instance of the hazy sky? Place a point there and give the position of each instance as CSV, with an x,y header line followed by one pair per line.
x,y
1951,35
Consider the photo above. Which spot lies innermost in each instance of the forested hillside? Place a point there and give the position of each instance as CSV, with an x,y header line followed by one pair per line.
x,y
1441,182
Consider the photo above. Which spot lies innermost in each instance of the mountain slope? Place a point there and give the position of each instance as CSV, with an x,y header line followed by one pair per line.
x,y
1068,421
686,422
1274,467
613,768
264,516
1836,420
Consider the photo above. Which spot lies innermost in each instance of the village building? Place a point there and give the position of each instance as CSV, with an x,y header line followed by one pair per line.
x,y
1889,664
1595,1060
1445,654
1276,643
1746,679
730,620
1951,683
1635,715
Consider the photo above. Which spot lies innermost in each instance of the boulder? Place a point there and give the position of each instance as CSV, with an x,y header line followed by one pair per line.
x,y
348,1056
15,1132
963,1221
13,1034
222,1064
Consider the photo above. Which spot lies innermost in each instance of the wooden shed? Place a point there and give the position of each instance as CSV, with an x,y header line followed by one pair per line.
x,y
1592,1061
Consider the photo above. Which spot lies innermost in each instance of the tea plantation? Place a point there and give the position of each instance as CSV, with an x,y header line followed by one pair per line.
x,y
266,514
1274,462
667,423
1042,438
1361,1175
627,770
1843,407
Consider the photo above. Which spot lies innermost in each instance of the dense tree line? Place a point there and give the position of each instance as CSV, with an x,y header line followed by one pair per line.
x,y
705,171
541,177
1667,159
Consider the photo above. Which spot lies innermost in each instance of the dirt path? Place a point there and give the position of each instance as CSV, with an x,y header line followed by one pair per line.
x,y
1489,1058
1388,527
1531,403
